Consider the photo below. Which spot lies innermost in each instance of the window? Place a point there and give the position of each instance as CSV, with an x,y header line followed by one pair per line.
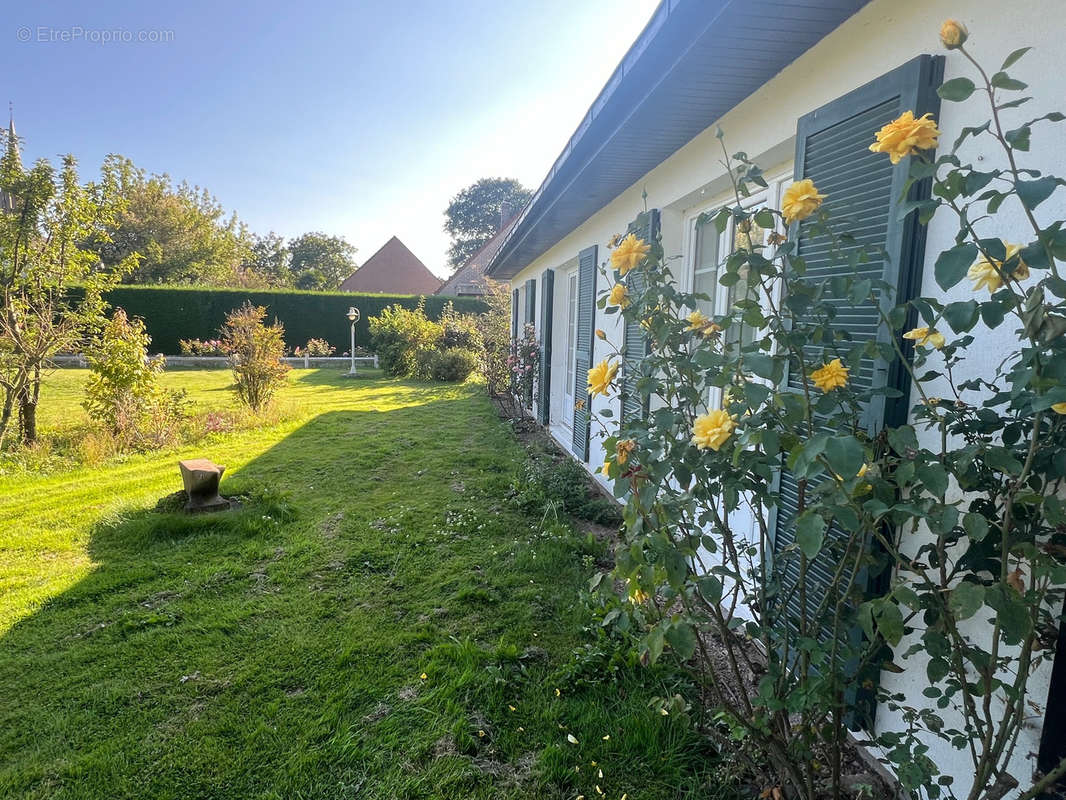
x,y
571,339
709,250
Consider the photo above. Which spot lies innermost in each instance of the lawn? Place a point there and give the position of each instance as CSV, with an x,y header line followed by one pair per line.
x,y
378,621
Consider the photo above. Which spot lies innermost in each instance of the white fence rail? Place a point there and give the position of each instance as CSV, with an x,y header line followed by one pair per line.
x,y
221,362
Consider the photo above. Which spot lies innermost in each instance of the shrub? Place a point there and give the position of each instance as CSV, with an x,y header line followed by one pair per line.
x,y
459,330
317,348
198,347
255,351
399,334
123,391
494,327
452,364
524,363
545,481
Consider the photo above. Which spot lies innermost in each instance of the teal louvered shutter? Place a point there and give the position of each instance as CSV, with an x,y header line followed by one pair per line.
x,y
547,292
531,312
634,340
863,191
585,335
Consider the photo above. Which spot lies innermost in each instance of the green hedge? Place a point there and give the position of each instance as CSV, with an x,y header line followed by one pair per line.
x,y
171,313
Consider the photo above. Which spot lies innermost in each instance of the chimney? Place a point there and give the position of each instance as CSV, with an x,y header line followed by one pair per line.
x,y
505,215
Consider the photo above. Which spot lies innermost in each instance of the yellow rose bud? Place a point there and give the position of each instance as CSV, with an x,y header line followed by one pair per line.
x,y
711,431
629,253
1059,408
800,201
906,135
619,296
926,336
833,375
953,34
600,377
600,334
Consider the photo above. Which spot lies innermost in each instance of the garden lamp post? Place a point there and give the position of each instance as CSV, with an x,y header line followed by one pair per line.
x,y
353,317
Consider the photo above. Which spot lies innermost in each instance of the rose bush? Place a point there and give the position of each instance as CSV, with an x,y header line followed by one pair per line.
x,y
958,513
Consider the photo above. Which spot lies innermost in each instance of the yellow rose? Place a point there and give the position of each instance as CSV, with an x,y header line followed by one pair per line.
x,y
1059,408
833,375
619,296
600,334
800,201
926,336
988,273
700,323
953,34
906,136
859,474
636,594
629,253
623,449
600,377
711,430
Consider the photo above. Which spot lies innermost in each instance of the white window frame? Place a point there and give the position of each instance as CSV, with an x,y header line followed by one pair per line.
x,y
770,197
570,362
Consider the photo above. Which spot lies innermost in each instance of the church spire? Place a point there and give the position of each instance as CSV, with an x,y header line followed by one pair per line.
x,y
12,139
12,156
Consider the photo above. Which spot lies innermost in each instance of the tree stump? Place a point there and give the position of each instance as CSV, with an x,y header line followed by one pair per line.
x,y
201,478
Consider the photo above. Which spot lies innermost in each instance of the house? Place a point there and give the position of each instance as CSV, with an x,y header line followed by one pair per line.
x,y
393,269
469,279
801,87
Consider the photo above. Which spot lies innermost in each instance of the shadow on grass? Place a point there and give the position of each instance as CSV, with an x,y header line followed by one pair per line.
x,y
135,669
277,651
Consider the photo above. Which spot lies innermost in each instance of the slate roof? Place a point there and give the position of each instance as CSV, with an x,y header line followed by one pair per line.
x,y
469,279
392,270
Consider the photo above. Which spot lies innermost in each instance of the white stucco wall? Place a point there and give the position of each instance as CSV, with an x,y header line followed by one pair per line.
x,y
882,36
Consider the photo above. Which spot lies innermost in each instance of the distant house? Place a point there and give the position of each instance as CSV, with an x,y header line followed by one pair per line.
x,y
469,279
392,270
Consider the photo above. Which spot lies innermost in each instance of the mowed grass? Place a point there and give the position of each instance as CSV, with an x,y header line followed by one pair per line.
x,y
278,651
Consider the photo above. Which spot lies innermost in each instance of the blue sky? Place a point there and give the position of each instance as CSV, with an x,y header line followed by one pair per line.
x,y
357,118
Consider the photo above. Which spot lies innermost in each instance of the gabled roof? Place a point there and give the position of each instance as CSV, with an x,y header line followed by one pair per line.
x,y
392,270
470,278
692,63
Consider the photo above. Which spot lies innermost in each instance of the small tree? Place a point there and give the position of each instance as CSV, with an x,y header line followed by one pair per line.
x,y
255,351
123,391
46,241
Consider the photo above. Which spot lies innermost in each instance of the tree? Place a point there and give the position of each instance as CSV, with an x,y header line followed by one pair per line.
x,y
318,261
474,215
268,258
180,234
46,220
